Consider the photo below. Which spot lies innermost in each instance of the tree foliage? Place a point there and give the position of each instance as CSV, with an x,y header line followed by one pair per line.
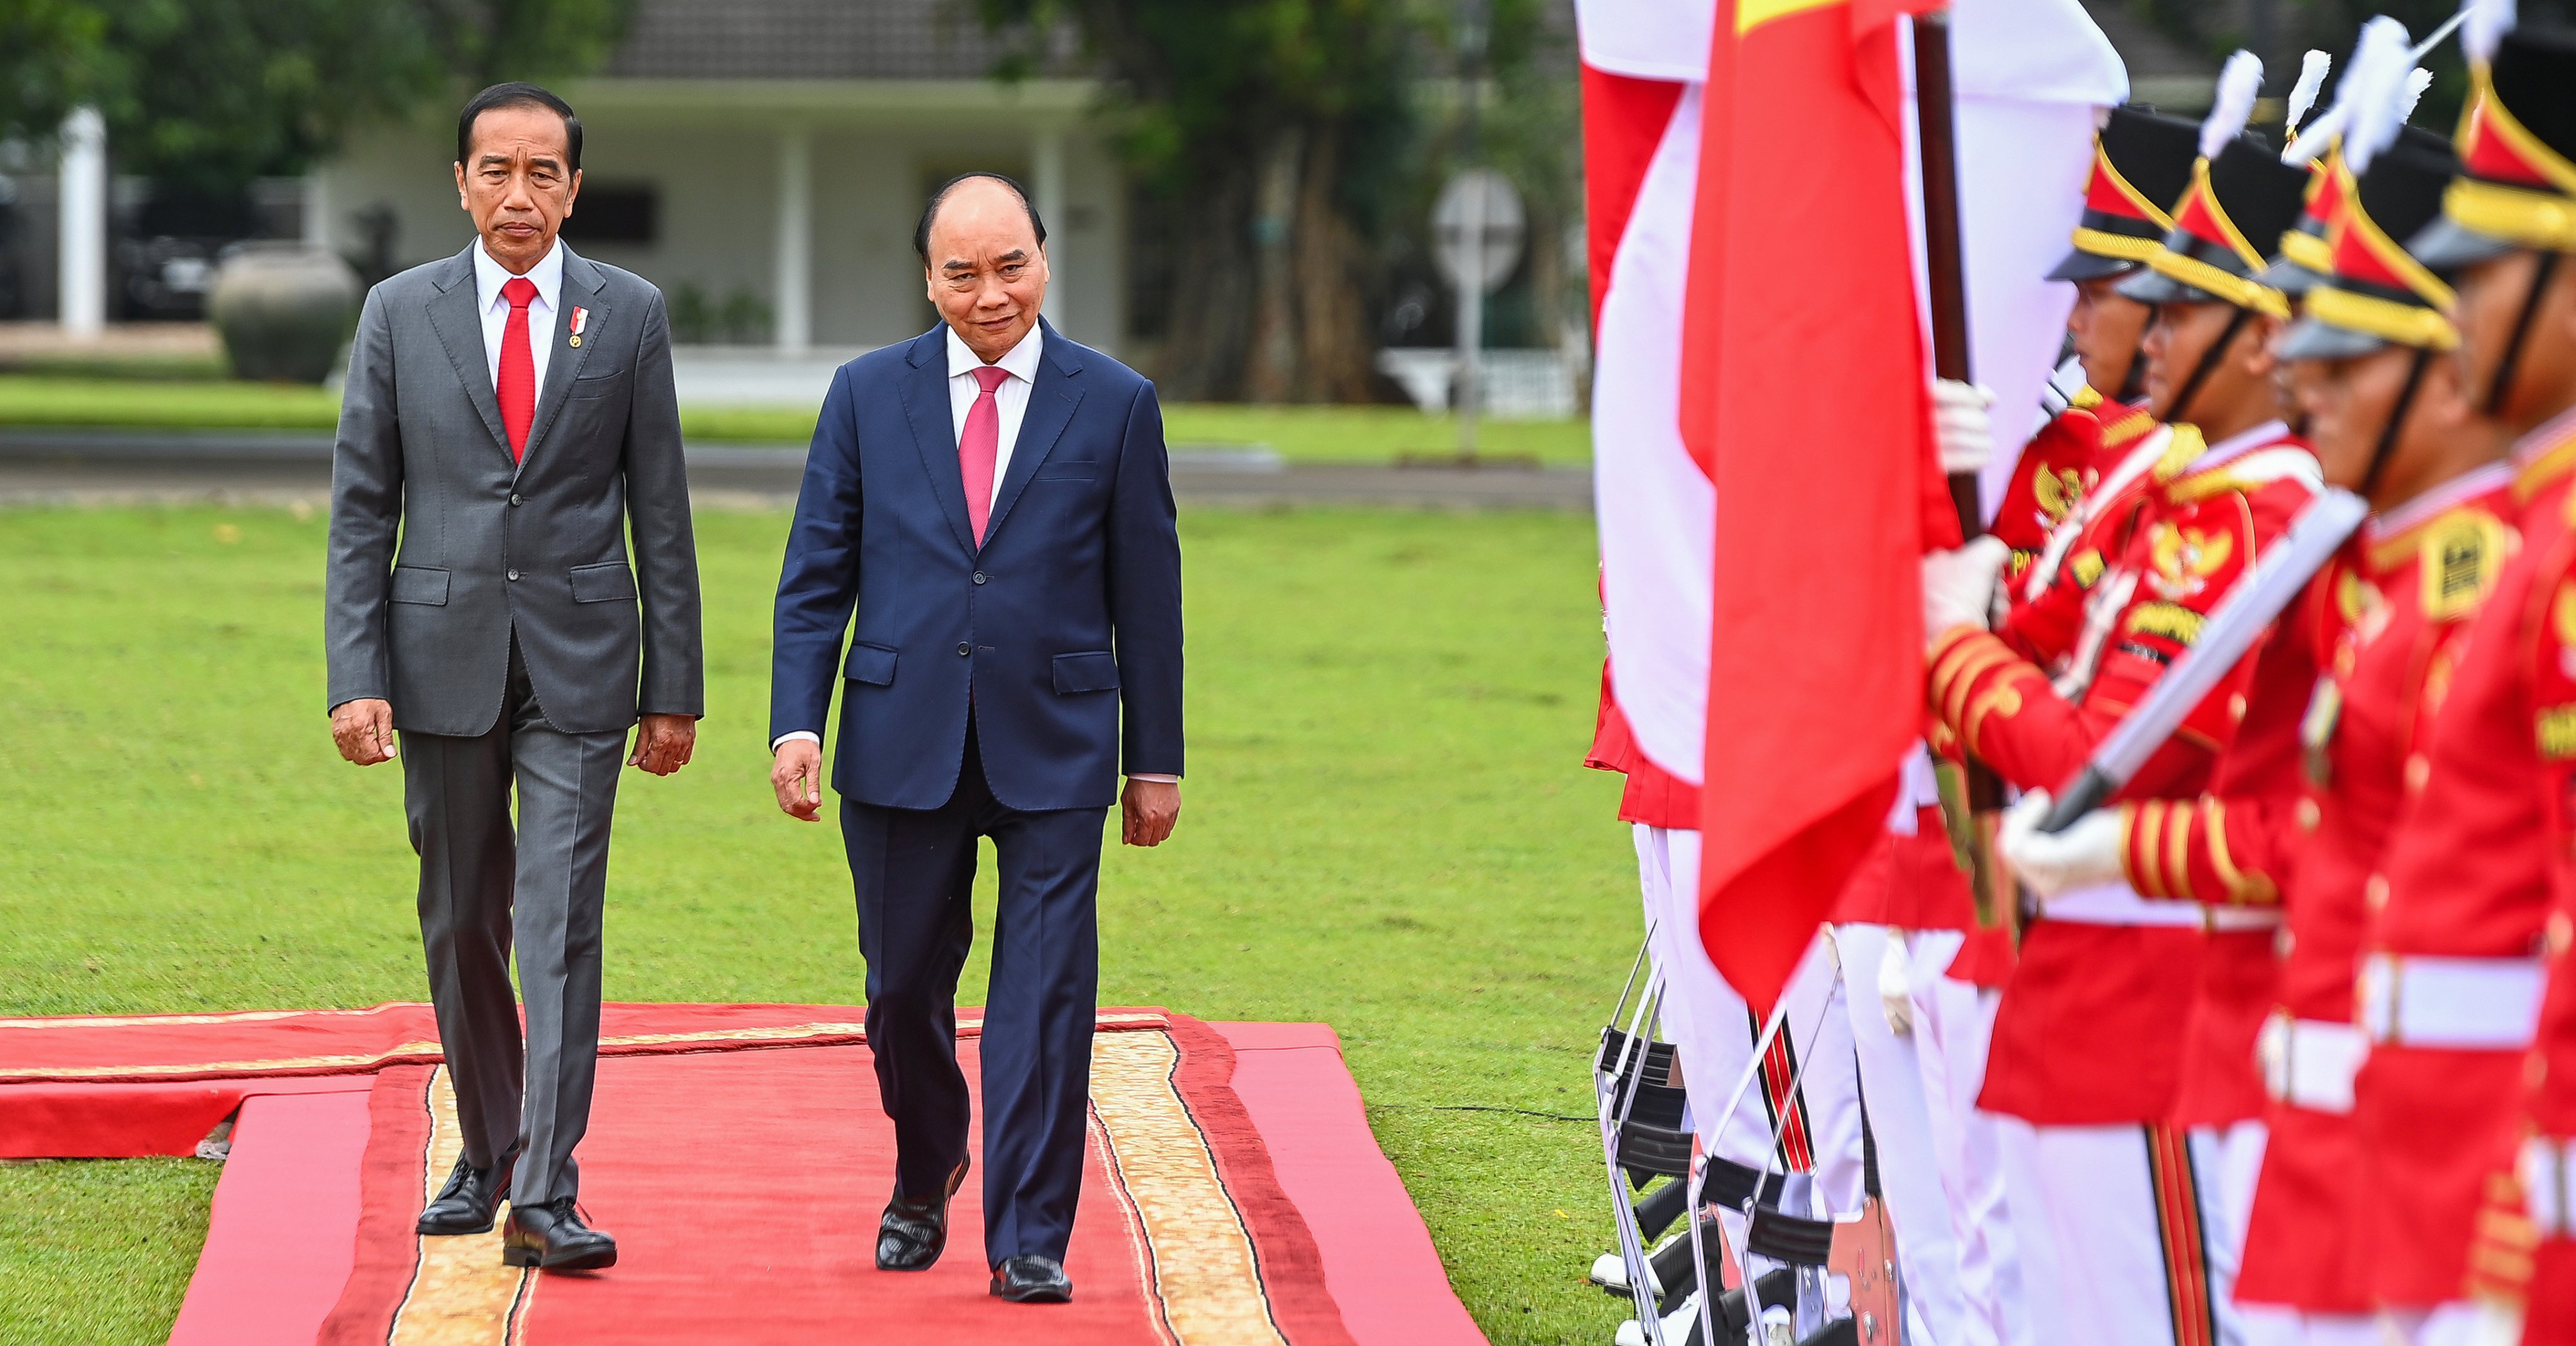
x,y
1283,138
211,93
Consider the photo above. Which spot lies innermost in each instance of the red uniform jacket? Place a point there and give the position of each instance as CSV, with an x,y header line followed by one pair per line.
x,y
2091,1027
2390,625
2466,875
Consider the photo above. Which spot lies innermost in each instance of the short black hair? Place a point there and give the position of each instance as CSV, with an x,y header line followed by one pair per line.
x,y
921,231
517,94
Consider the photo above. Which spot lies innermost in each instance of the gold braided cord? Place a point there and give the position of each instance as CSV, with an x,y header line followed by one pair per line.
x,y
2387,319
2519,215
2235,289
2125,247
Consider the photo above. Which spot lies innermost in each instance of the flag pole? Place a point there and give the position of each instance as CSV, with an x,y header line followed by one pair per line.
x,y
1945,274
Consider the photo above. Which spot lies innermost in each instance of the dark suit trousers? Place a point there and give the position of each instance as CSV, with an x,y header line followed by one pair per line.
x,y
483,888
914,872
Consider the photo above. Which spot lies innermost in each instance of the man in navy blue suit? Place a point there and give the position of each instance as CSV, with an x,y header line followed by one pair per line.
x,y
994,503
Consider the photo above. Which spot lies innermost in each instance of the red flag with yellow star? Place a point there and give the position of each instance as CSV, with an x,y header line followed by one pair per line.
x,y
1804,397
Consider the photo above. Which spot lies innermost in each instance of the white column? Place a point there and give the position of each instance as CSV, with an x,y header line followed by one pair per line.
x,y
1046,166
83,250
317,208
795,279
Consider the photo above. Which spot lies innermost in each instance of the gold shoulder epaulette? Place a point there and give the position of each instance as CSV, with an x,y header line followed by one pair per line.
x,y
2181,451
2128,429
2085,399
2252,472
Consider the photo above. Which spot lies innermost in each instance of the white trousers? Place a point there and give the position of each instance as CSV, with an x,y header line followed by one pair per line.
x,y
1909,1155
2089,1205
1954,1022
1714,1032
2226,1163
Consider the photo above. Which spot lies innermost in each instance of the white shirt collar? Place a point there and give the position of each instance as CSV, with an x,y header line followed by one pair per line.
x,y
489,276
2240,443
1020,361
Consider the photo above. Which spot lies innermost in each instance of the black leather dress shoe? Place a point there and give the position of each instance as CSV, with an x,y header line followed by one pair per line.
x,y
552,1237
914,1233
466,1203
1032,1279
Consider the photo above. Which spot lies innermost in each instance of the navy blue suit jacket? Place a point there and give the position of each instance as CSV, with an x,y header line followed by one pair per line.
x,y
1068,613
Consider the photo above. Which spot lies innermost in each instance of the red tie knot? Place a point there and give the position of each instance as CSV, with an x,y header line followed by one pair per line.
x,y
519,290
991,376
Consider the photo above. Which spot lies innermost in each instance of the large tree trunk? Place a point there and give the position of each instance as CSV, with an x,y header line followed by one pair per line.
x,y
1335,361
1278,229
1205,341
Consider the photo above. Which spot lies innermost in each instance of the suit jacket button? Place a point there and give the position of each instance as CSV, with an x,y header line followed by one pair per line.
x,y
962,647
980,577
514,577
514,497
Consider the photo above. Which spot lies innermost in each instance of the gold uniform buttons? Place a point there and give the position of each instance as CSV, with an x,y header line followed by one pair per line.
x,y
2418,770
2374,892
2236,705
2309,815
2562,933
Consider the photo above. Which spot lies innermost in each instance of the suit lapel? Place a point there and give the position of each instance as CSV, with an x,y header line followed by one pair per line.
x,y
1051,402
460,331
581,285
934,433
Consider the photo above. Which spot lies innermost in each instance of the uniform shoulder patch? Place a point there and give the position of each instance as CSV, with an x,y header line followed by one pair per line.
x,y
2086,567
2463,552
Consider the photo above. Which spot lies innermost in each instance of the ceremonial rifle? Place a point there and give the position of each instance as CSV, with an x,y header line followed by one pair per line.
x,y
2233,627
1970,807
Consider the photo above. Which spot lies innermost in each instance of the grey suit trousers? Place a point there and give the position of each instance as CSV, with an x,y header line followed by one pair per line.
x,y
484,888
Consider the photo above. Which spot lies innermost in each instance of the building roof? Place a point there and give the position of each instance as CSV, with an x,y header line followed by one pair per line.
x,y
817,39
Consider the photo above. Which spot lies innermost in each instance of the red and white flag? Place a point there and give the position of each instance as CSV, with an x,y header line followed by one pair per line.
x,y
1762,455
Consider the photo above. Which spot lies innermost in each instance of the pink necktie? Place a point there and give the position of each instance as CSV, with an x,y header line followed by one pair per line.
x,y
516,386
980,446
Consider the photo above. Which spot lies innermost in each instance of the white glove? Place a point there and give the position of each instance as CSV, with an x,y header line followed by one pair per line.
x,y
1959,422
2052,864
1959,586
2495,1324
1895,988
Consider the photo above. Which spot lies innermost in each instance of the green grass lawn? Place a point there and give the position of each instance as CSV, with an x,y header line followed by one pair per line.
x,y
1385,829
1304,434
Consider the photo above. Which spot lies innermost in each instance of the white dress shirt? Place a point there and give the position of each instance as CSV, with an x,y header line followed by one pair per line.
x,y
1011,401
547,275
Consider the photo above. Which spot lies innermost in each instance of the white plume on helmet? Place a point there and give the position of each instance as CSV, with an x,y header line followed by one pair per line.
x,y
2303,95
2487,23
2239,81
2374,88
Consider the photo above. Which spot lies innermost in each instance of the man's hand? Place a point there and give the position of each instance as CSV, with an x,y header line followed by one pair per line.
x,y
364,729
1147,811
797,777
663,743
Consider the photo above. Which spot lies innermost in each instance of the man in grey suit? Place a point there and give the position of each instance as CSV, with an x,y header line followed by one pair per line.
x,y
509,414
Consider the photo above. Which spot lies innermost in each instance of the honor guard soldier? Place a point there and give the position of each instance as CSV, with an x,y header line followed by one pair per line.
x,y
2088,1044
2141,162
2384,620
2510,223
2451,977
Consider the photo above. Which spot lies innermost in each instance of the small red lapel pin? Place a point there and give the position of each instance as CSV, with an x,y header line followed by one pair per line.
x,y
580,319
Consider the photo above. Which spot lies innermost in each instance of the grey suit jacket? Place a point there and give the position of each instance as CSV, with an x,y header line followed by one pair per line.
x,y
488,546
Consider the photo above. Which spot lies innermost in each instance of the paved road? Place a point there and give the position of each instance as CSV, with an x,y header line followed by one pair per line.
x,y
90,466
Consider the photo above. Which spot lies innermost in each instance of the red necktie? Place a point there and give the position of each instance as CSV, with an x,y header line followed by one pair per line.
x,y
980,446
516,387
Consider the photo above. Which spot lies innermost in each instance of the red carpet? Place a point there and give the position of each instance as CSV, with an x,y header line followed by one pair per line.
x,y
1233,1192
